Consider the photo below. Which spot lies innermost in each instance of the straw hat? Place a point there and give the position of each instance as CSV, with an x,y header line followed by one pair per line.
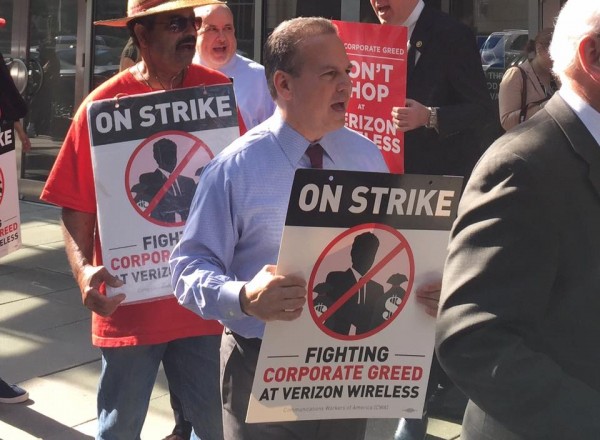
x,y
142,8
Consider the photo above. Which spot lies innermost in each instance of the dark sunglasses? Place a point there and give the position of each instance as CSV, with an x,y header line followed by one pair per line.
x,y
179,23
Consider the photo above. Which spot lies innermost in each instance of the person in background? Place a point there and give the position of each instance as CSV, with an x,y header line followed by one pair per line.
x,y
446,120
129,56
526,88
135,338
12,108
230,275
518,326
12,393
217,47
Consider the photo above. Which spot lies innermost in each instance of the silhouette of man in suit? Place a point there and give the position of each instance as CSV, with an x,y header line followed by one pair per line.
x,y
174,203
358,309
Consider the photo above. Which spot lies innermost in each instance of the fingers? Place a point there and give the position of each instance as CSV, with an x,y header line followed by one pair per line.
x,y
430,305
413,115
92,278
271,297
428,295
101,304
430,288
113,281
26,145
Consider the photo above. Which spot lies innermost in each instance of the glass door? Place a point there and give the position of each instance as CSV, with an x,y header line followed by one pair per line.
x,y
55,60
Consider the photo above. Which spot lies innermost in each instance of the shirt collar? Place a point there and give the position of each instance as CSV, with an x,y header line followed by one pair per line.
x,y
294,145
230,65
584,111
411,21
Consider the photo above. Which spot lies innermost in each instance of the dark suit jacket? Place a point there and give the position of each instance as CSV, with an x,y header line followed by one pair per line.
x,y
170,204
352,313
519,319
447,75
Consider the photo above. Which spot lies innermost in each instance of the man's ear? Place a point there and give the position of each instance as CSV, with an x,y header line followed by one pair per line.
x,y
589,56
283,84
141,35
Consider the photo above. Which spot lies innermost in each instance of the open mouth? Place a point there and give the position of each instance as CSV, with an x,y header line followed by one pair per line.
x,y
220,49
339,106
382,10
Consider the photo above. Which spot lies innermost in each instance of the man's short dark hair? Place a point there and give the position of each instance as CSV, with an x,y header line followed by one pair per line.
x,y
281,48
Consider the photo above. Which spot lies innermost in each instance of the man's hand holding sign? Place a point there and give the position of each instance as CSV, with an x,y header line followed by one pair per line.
x,y
271,297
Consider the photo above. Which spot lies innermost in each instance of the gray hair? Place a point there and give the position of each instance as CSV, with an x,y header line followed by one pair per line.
x,y
281,50
577,20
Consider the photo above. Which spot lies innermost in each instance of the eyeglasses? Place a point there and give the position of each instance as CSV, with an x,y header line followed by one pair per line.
x,y
213,30
179,23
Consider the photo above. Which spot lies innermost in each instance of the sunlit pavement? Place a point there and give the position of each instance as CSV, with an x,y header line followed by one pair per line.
x,y
45,346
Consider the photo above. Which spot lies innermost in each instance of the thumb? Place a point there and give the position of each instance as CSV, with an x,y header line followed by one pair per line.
x,y
270,268
113,281
117,299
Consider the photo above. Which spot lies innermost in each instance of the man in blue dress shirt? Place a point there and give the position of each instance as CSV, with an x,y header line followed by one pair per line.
x,y
224,266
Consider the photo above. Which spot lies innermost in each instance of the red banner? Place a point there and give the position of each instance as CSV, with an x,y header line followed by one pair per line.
x,y
378,57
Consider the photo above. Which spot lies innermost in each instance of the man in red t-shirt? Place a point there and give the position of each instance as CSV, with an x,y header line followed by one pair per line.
x,y
135,338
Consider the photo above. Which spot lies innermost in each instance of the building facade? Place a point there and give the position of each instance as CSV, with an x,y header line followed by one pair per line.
x,y
65,56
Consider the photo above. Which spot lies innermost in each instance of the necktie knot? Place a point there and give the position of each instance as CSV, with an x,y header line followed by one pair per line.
x,y
315,154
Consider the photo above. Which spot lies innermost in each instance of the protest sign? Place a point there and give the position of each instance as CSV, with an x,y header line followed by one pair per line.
x,y
378,57
362,347
147,153
10,220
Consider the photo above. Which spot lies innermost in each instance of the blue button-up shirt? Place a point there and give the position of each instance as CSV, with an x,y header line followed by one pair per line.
x,y
237,217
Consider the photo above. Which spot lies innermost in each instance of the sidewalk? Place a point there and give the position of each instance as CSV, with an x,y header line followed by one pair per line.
x,y
45,347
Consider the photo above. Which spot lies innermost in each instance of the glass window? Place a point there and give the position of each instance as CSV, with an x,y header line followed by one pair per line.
x,y
243,20
109,41
51,88
6,12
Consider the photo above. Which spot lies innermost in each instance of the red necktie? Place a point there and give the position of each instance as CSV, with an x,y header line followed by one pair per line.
x,y
315,154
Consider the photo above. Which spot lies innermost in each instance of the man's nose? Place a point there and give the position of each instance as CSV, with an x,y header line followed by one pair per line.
x,y
345,82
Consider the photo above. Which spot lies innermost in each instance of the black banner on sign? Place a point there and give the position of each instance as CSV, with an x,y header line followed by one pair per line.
x,y
7,137
328,198
140,116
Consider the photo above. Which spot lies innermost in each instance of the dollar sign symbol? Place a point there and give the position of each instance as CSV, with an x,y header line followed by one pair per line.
x,y
320,308
391,305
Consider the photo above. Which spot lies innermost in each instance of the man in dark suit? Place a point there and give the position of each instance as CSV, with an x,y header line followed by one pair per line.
x,y
446,120
448,105
518,327
175,201
358,309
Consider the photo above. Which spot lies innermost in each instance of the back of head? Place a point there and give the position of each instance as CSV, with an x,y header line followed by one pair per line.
x,y
544,37
541,40
281,51
165,150
577,19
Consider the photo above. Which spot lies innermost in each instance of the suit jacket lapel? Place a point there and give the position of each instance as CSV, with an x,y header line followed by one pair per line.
x,y
419,39
581,140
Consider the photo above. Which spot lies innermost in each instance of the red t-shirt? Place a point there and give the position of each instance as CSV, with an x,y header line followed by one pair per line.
x,y
71,185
